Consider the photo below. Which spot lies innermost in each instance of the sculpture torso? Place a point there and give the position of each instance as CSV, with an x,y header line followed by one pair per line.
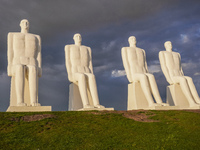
x,y
79,58
173,63
136,59
25,49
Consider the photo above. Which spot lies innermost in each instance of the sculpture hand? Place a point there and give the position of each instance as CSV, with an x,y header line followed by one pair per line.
x,y
39,72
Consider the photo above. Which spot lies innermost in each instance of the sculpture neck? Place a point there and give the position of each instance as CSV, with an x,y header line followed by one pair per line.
x,y
24,30
133,45
169,50
78,43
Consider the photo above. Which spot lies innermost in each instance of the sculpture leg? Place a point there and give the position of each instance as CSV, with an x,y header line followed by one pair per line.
x,y
82,85
185,88
93,90
154,89
19,84
142,78
33,78
193,89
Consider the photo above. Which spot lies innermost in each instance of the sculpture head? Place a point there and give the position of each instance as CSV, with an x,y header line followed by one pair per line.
x,y
168,46
132,41
24,24
77,39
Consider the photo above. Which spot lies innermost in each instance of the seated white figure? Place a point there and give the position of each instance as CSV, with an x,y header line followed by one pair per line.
x,y
134,61
24,65
80,71
171,66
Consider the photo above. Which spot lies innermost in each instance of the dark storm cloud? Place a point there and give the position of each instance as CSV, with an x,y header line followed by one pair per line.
x,y
105,26
49,18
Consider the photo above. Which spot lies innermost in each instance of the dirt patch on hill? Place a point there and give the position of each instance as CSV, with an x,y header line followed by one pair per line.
x,y
33,117
193,110
137,115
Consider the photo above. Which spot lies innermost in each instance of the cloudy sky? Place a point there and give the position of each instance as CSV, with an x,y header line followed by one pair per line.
x,y
105,27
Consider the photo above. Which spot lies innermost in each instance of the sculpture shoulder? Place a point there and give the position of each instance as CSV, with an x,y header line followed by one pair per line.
x,y
124,48
31,34
67,47
38,37
166,52
83,46
140,50
13,33
162,52
176,53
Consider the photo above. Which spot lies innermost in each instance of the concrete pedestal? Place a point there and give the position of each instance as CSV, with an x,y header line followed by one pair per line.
x,y
176,97
13,100
75,102
137,99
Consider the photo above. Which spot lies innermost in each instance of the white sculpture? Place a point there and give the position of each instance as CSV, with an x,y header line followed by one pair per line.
x,y
80,73
181,87
24,66
134,61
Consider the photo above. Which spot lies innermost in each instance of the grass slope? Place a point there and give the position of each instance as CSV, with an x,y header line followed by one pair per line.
x,y
86,130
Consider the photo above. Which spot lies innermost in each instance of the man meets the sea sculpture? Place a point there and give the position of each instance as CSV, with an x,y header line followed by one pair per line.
x,y
181,91
83,93
142,84
24,66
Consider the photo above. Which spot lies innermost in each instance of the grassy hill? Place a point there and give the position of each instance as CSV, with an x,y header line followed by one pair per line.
x,y
93,130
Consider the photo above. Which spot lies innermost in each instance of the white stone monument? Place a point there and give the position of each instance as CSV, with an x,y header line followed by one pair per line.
x,y
181,91
83,93
24,66
142,84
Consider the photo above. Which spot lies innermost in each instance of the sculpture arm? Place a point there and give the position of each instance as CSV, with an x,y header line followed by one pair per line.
x,y
90,63
39,57
164,68
126,64
10,54
145,61
67,62
180,64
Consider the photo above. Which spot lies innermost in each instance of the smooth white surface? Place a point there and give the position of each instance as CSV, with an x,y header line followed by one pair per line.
x,y
134,61
24,66
171,66
80,72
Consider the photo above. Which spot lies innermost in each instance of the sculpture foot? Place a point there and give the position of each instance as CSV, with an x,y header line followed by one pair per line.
x,y
164,104
198,103
154,104
21,104
99,106
35,104
194,105
88,106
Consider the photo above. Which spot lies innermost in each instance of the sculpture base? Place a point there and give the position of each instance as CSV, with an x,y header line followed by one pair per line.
x,y
137,99
75,102
176,97
28,108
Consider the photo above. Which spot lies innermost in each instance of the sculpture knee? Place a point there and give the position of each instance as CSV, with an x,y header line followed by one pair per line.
x,y
150,76
81,78
143,77
189,79
32,70
91,76
18,69
183,80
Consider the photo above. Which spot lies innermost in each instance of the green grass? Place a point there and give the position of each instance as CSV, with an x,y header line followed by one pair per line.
x,y
176,130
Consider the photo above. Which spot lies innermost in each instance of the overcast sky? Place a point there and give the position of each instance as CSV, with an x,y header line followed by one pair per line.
x,y
105,27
